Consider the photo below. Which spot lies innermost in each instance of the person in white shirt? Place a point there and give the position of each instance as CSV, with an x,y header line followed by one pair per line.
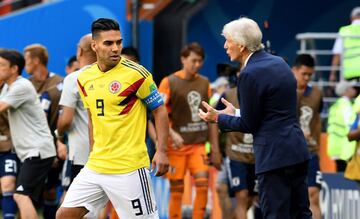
x,y
73,117
30,132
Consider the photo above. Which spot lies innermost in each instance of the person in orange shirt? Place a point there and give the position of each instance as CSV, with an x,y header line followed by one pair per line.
x,y
183,92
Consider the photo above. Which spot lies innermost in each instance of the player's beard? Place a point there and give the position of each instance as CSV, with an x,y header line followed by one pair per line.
x,y
109,64
113,63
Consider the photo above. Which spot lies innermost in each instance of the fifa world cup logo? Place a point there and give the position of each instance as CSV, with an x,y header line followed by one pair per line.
x,y
194,100
306,114
248,138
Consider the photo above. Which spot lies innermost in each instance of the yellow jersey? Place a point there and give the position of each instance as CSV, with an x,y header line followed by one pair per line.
x,y
117,100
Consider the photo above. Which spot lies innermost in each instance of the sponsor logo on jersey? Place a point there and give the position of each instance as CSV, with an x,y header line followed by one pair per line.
x,y
153,87
114,87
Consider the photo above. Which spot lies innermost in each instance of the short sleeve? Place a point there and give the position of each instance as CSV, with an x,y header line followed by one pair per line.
x,y
337,49
164,89
17,94
149,93
69,94
165,92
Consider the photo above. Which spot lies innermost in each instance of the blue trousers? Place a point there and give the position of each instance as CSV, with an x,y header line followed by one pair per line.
x,y
284,193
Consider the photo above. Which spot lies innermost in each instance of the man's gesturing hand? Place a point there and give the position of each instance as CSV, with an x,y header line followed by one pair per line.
x,y
229,109
211,115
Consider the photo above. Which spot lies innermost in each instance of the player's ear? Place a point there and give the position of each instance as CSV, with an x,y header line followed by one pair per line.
x,y
182,58
36,60
241,47
93,45
14,68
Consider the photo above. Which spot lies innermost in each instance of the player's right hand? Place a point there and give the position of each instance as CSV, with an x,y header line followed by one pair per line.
x,y
160,162
177,140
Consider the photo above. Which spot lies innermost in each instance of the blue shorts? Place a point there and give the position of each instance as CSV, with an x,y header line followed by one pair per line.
x,y
222,177
241,176
8,164
314,175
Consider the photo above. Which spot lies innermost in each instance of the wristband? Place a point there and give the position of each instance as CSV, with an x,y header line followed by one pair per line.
x,y
58,137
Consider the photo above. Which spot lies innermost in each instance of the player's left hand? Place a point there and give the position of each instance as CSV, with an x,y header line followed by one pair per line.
x,y
160,162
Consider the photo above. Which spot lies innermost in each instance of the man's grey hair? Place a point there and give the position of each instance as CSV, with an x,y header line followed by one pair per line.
x,y
246,32
355,12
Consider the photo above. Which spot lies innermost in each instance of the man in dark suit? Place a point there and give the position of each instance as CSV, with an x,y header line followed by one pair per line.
x,y
268,111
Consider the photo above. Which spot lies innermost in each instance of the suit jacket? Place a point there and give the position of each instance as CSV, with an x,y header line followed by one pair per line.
x,y
268,111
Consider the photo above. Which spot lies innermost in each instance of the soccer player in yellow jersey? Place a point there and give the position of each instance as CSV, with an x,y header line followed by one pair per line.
x,y
116,92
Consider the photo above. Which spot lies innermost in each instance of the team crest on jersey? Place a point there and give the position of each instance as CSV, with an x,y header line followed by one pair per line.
x,y
114,87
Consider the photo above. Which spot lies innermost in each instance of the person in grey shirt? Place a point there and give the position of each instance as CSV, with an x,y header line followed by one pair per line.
x,y
74,118
30,132
8,167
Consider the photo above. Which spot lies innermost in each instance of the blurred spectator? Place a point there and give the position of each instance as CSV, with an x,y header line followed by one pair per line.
x,y
348,48
219,86
29,131
183,92
72,65
8,166
341,116
239,163
222,189
130,53
48,85
309,108
73,118
222,184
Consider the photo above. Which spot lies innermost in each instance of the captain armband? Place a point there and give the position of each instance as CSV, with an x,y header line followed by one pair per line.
x,y
154,100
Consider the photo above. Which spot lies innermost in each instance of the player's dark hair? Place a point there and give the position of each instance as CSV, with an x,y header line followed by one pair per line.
x,y
14,57
193,47
103,24
71,61
304,59
131,51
